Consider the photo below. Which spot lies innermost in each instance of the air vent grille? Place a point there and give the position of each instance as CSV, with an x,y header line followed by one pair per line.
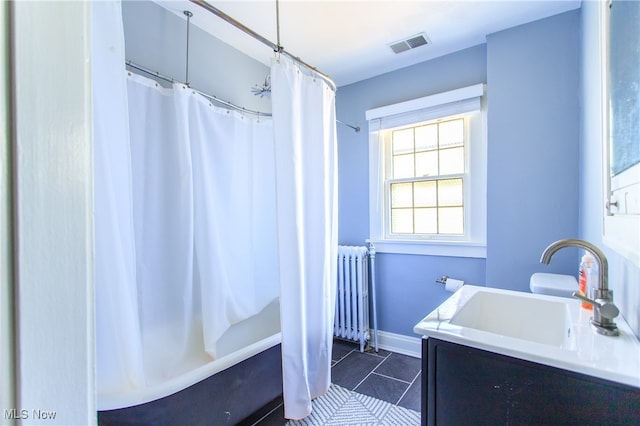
x,y
417,41
410,43
401,46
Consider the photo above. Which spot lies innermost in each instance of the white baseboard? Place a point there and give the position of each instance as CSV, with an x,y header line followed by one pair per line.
x,y
398,343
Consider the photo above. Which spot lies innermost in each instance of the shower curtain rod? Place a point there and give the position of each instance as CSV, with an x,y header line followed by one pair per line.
x,y
211,97
275,47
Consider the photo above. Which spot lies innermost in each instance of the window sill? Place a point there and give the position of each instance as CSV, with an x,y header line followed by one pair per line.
x,y
432,248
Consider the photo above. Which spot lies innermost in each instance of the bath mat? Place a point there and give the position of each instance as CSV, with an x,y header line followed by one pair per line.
x,y
342,407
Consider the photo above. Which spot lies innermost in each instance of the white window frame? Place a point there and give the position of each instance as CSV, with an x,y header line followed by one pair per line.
x,y
468,101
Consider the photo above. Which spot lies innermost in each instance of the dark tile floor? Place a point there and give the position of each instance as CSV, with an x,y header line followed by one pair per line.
x,y
385,375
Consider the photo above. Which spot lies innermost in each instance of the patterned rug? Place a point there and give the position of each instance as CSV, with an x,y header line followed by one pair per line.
x,y
342,407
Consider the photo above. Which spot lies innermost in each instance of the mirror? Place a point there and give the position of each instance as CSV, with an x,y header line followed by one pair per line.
x,y
624,85
621,126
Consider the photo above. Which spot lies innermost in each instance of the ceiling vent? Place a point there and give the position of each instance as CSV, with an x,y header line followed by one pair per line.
x,y
410,43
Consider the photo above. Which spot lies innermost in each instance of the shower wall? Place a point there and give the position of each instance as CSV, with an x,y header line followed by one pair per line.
x,y
156,39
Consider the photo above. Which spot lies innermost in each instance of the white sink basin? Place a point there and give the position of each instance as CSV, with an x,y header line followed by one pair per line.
x,y
549,330
513,315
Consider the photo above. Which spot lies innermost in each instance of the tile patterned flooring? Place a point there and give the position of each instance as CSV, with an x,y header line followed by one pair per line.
x,y
385,375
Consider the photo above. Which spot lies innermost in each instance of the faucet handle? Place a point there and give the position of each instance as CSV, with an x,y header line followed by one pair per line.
x,y
606,308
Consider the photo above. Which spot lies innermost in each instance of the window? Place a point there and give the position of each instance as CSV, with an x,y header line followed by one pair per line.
x,y
425,179
428,175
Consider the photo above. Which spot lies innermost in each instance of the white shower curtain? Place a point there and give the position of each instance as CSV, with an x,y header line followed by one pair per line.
x,y
164,227
200,222
306,184
185,220
118,346
234,210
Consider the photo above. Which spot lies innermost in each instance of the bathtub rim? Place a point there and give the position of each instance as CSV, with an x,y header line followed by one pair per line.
x,y
115,401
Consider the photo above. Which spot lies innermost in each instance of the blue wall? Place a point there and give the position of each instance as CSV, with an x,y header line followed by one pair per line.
x,y
532,73
406,291
533,139
406,285
457,70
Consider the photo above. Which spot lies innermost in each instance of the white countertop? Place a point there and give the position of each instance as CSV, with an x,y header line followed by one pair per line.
x,y
611,358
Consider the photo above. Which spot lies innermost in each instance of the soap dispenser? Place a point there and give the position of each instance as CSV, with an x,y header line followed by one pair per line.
x,y
588,276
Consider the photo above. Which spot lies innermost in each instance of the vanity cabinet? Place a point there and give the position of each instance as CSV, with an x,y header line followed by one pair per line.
x,y
468,386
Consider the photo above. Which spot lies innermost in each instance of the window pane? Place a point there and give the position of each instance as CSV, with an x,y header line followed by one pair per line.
x,y
427,163
427,137
401,195
403,166
451,133
403,141
424,194
428,200
450,192
426,221
450,220
451,161
402,221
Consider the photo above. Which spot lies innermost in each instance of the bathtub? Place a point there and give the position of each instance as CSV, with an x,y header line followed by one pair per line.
x,y
246,376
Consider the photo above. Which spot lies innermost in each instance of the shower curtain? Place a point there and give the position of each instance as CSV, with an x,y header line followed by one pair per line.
x,y
185,231
234,211
306,184
204,216
162,188
118,345
199,211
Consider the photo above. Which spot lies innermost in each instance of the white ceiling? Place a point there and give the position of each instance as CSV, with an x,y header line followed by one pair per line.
x,y
348,39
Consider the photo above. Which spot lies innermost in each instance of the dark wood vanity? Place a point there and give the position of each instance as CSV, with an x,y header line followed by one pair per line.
x,y
462,385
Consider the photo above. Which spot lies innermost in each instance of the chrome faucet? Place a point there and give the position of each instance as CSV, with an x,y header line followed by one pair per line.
x,y
604,310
